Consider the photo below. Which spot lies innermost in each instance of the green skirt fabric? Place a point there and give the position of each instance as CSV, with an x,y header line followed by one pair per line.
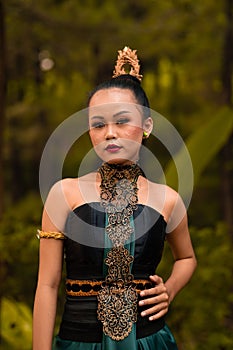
x,y
161,340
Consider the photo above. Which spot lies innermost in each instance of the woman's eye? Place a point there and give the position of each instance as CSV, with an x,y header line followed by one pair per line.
x,y
98,125
123,121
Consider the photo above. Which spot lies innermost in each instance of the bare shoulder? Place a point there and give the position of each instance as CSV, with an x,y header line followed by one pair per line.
x,y
61,190
162,193
78,191
166,200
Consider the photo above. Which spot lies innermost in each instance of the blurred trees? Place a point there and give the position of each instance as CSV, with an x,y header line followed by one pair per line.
x,y
55,51
2,96
227,151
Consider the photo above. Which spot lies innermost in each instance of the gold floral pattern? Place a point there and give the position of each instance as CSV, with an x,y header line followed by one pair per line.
x,y
117,299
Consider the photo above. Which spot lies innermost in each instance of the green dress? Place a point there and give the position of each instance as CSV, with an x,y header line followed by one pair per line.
x,y
161,340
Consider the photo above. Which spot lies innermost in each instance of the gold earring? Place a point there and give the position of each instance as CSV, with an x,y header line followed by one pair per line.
x,y
145,135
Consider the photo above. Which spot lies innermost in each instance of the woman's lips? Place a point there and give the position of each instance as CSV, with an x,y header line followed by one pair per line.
x,y
112,148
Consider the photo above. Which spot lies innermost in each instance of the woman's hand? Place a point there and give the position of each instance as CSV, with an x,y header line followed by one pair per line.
x,y
156,298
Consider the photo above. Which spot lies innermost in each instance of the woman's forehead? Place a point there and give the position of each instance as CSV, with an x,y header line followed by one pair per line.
x,y
112,95
114,110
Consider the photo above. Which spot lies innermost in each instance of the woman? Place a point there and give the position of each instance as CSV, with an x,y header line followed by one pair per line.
x,y
112,224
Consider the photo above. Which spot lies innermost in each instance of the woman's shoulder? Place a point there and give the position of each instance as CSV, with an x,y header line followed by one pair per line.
x,y
77,191
163,191
70,183
163,198
62,187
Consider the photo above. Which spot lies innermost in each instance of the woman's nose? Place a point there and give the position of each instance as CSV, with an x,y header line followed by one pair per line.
x,y
111,132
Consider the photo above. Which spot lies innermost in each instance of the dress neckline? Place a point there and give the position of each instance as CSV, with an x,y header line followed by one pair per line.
x,y
79,207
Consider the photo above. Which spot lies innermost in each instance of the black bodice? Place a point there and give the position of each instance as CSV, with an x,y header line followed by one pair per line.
x,y
84,251
85,225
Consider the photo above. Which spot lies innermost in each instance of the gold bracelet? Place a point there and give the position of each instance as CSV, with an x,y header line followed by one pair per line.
x,y
50,234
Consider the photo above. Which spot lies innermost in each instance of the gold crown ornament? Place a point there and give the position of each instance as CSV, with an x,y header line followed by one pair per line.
x,y
127,57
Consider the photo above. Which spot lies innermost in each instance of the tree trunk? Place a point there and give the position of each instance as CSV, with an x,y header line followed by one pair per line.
x,y
2,98
2,117
226,154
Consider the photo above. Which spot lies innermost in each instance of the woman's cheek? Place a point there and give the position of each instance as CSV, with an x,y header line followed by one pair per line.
x,y
135,133
95,140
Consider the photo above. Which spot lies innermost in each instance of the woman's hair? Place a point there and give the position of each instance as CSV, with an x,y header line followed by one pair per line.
x,y
127,82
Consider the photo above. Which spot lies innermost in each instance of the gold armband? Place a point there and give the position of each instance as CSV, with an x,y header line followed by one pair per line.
x,y
50,234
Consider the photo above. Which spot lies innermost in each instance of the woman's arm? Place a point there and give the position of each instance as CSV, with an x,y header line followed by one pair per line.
x,y
184,259
184,265
50,269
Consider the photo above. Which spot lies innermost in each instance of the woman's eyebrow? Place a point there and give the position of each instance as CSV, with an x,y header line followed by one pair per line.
x,y
97,117
119,113
114,115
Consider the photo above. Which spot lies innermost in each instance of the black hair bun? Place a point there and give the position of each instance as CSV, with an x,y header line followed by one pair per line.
x,y
128,77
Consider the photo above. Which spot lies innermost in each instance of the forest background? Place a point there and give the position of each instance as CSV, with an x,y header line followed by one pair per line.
x,y
52,53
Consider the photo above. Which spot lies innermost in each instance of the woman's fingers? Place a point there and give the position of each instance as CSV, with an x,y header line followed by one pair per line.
x,y
156,311
156,297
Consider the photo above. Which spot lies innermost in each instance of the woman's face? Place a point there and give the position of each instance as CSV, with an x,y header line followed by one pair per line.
x,y
116,125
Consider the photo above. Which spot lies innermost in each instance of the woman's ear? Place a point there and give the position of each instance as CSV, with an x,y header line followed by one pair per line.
x,y
147,127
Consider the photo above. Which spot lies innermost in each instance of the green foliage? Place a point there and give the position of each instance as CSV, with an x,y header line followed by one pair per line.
x,y
16,321
202,148
19,249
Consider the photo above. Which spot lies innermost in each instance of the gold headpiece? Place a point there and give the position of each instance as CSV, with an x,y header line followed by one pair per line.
x,y
127,57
